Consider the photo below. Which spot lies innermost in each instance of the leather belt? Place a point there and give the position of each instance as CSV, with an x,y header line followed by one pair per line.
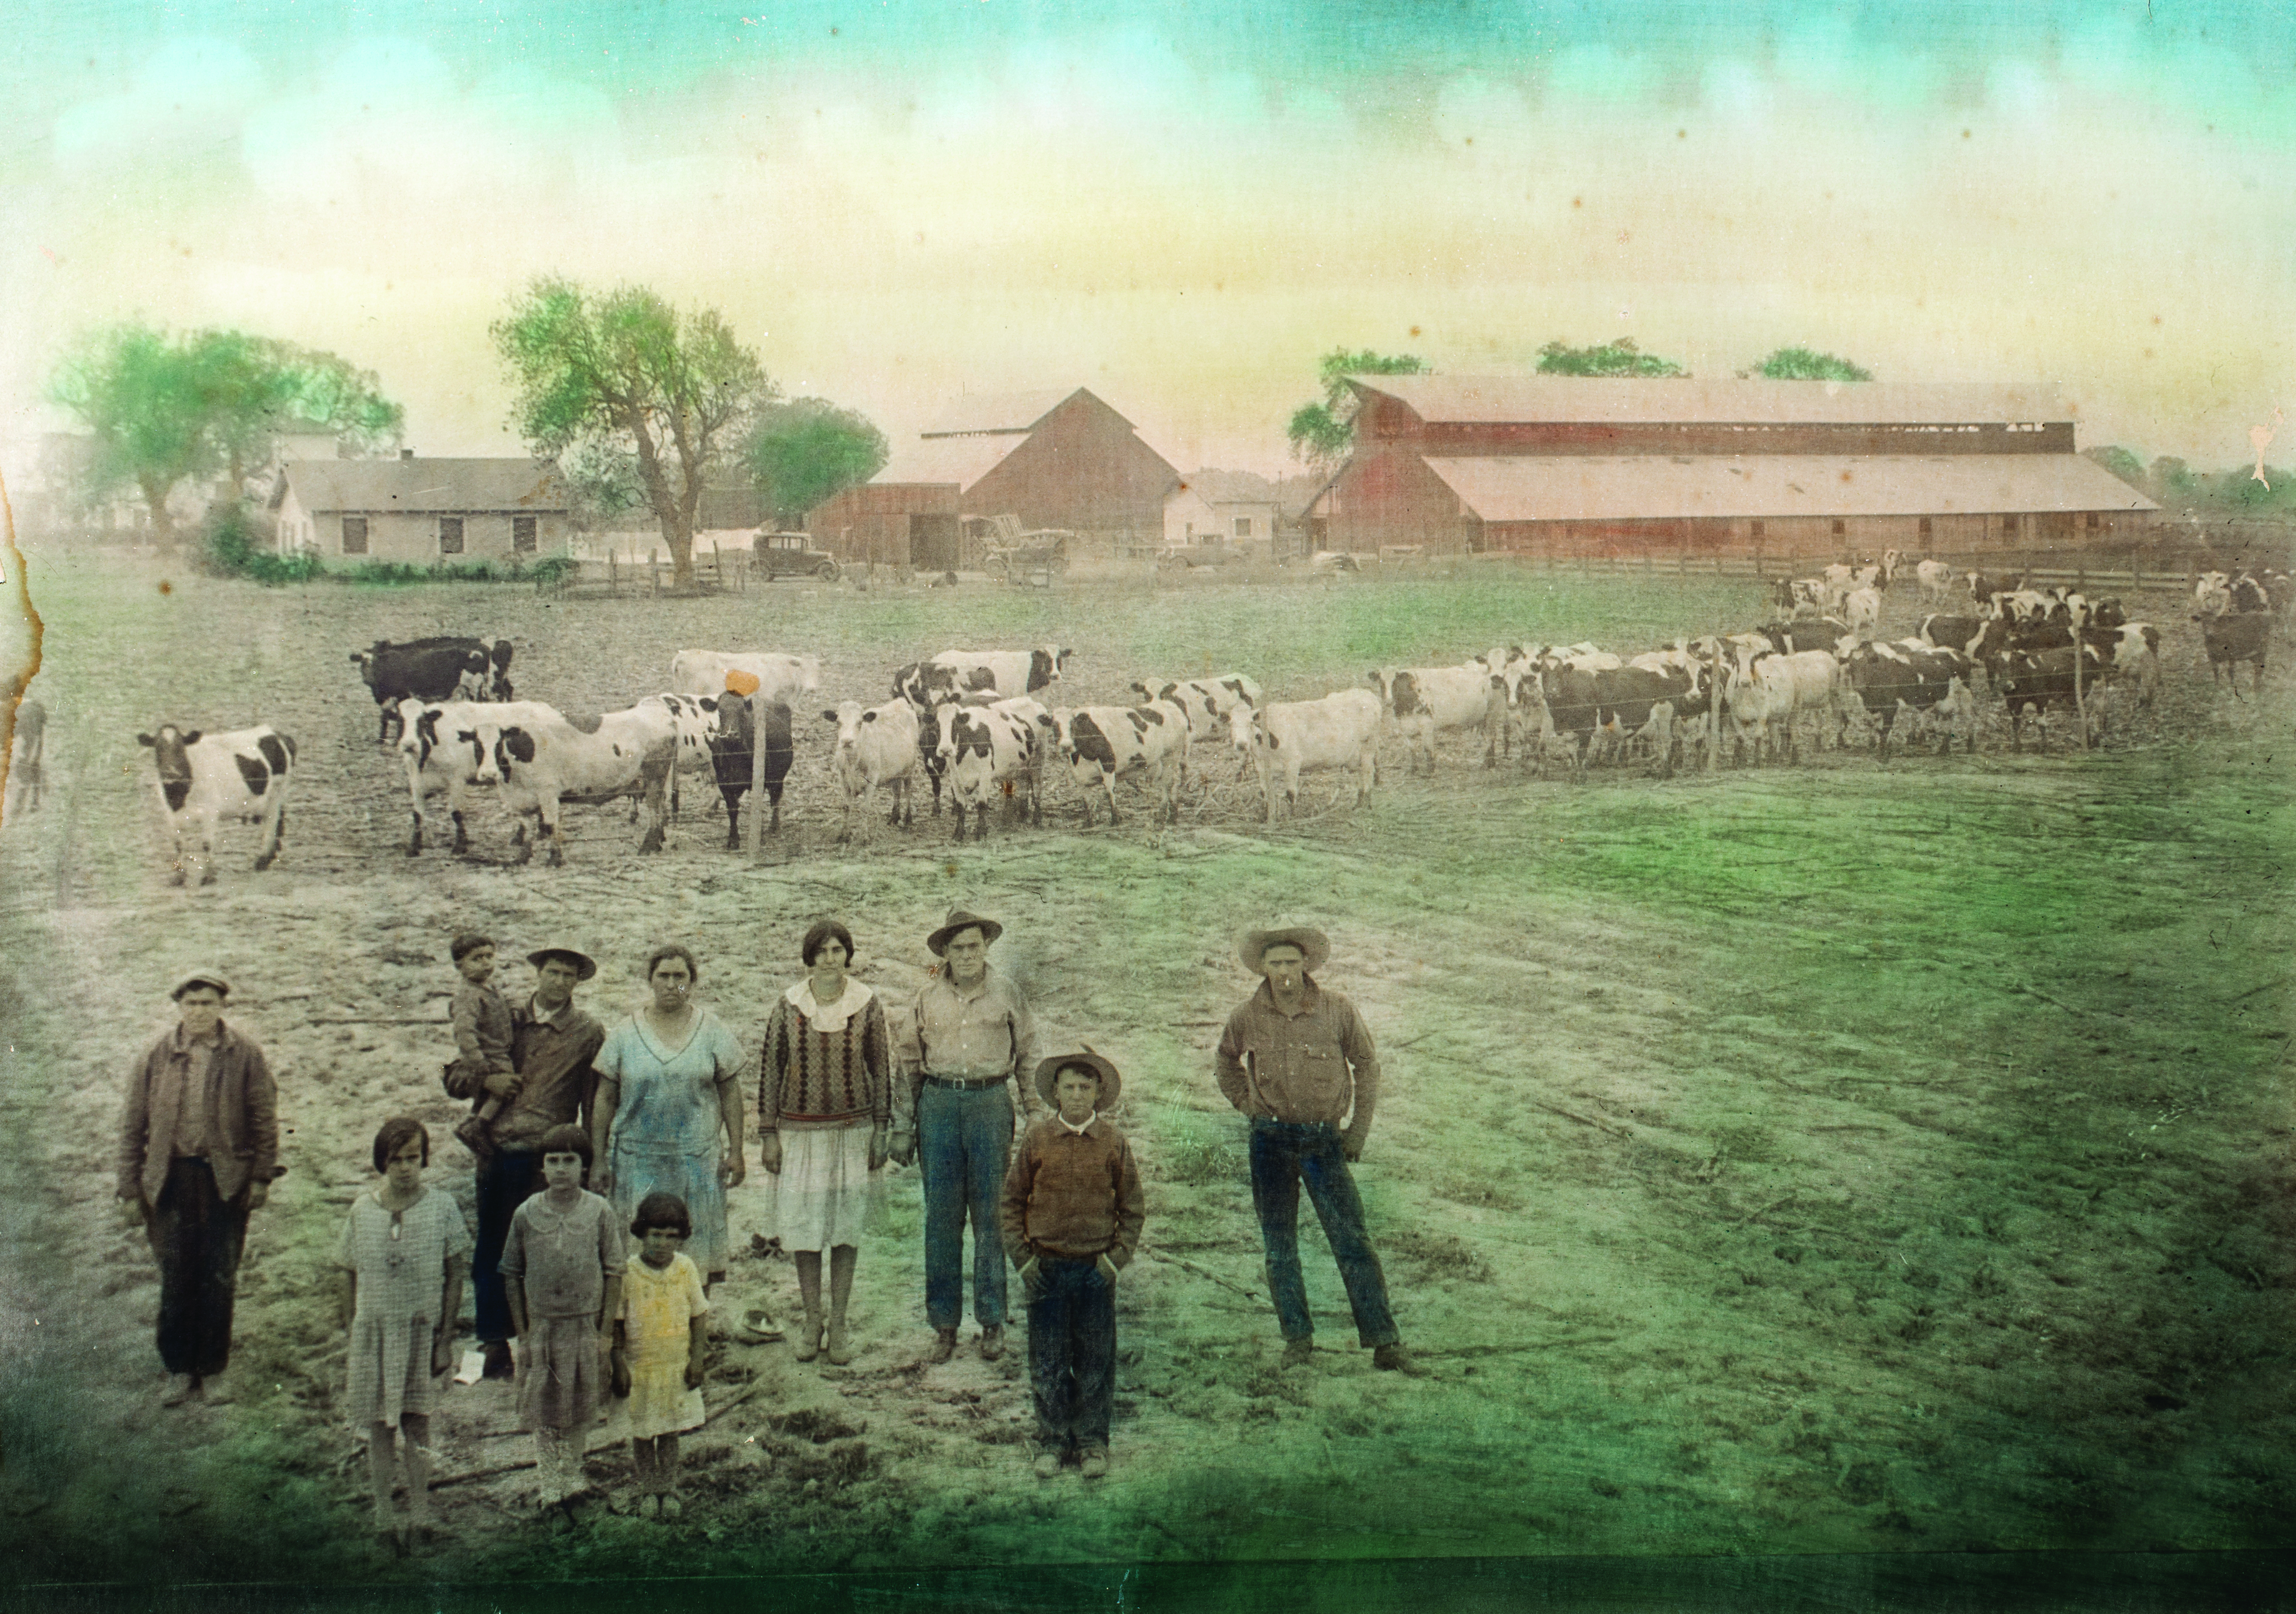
x,y
967,1081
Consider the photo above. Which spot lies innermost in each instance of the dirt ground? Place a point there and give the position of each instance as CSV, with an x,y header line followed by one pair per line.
x,y
1830,1158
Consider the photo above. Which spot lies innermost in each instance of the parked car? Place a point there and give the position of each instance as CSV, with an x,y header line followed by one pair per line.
x,y
786,554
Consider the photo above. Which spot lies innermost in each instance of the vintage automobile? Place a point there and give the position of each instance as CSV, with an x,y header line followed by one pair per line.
x,y
786,554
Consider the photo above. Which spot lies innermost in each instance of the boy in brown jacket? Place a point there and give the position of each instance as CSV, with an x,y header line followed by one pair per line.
x,y
1071,1216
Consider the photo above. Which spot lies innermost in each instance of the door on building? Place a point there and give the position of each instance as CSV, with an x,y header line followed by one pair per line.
x,y
935,542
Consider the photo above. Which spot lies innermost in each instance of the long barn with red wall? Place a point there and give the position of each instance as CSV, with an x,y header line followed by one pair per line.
x,y
1566,466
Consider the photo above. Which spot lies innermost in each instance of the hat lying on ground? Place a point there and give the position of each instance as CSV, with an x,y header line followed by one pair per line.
x,y
202,978
1111,1085
959,919
585,966
1311,942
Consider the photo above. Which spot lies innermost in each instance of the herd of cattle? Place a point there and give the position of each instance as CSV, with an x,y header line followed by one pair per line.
x,y
973,726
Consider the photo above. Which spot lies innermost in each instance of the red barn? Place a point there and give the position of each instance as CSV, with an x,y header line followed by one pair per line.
x,y
1054,459
1565,465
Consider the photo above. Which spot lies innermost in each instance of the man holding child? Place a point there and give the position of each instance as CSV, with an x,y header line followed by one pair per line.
x,y
553,1048
1297,1059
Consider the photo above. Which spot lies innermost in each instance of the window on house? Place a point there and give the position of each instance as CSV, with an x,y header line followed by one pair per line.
x,y
1755,530
1926,527
521,535
2095,521
1839,528
1243,527
2008,524
450,534
354,535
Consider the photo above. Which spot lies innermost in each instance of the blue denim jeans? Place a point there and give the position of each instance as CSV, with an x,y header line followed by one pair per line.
x,y
1073,1353
965,1141
1283,1154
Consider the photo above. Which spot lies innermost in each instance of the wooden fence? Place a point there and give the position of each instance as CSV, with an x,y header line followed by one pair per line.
x,y
2127,569
716,571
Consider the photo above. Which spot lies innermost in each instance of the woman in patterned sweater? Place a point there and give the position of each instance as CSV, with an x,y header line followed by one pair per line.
x,y
824,1103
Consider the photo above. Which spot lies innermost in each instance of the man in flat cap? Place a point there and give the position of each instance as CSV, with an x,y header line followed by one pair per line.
x,y
553,1048
965,1037
1297,1059
199,1145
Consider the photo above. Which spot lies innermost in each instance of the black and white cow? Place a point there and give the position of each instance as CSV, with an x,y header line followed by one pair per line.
x,y
242,775
432,669
1008,672
542,761
990,752
1909,679
1102,744
440,748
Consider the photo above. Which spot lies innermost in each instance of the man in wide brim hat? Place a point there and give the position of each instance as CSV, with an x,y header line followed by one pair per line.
x,y
1048,1072
585,966
959,919
1315,946
965,1043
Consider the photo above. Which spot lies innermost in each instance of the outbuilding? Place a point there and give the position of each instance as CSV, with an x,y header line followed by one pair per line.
x,y
421,510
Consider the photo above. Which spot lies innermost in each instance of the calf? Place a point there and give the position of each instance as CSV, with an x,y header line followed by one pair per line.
x,y
987,751
542,760
1103,743
26,753
2233,639
241,774
780,676
1424,701
442,668
1341,731
876,746
2213,593
733,756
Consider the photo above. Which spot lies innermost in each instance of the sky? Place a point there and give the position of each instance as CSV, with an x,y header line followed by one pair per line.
x,y
1179,206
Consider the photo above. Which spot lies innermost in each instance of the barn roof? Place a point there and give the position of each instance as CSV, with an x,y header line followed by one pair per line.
x,y
1001,412
423,485
943,460
1509,400
1570,487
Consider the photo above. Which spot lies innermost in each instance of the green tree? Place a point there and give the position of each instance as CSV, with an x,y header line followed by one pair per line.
x,y
1618,359
623,372
2120,462
1806,364
162,411
806,450
1323,431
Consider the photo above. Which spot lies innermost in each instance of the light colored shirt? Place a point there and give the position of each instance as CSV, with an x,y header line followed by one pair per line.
x,y
197,1096
984,1031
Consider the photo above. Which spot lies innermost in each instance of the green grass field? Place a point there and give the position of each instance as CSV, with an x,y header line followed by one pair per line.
x,y
1838,1158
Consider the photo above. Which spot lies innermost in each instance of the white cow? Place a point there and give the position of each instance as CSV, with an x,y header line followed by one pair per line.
x,y
541,761
876,745
780,676
1936,580
241,774
1425,700
1861,609
1103,743
1341,731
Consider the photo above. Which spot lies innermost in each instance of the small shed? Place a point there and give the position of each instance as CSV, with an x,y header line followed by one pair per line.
x,y
421,510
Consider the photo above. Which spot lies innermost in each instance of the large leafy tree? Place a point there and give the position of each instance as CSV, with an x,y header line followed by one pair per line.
x,y
622,373
1618,359
1806,364
163,410
802,451
1323,431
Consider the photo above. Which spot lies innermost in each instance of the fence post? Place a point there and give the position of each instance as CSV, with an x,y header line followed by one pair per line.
x,y
613,576
757,776
1714,707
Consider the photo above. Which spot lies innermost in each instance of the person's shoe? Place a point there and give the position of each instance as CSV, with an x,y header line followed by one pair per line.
x,y
808,1340
671,1507
944,1345
1048,1463
839,1349
1297,1352
1390,1358
649,1506
179,1389
992,1342
1095,1463
500,1362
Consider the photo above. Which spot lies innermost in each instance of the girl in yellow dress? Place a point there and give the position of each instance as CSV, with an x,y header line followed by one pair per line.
x,y
661,1334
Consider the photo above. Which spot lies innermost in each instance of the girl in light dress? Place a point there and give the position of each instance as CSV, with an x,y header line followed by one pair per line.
x,y
662,1337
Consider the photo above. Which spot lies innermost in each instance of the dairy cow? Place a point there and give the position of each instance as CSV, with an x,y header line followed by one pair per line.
x,y
733,755
876,746
202,778
1341,731
1102,744
989,752
1424,701
445,668
542,760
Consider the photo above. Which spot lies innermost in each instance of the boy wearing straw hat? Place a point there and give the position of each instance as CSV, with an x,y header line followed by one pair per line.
x,y
1297,1059
1071,1215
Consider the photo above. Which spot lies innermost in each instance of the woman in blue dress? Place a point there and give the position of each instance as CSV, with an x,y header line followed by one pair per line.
x,y
669,1116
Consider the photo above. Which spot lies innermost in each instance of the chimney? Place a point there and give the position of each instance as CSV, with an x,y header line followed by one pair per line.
x,y
407,454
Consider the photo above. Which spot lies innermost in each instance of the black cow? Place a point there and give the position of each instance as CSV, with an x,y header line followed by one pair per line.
x,y
732,753
2038,680
1621,703
442,668
2233,639
1893,679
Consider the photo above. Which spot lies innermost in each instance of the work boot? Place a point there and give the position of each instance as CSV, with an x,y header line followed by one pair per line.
x,y
1296,1352
1095,1463
838,1348
944,1345
992,1342
1048,1463
500,1362
179,1389
1390,1358
808,1336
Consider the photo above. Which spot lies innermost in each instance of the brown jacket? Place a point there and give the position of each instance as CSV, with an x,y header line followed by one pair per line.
x,y
1317,1065
243,1141
1073,1194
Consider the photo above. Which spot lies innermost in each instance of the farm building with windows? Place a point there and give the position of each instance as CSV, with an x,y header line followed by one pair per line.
x,y
1564,466
1054,459
421,510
